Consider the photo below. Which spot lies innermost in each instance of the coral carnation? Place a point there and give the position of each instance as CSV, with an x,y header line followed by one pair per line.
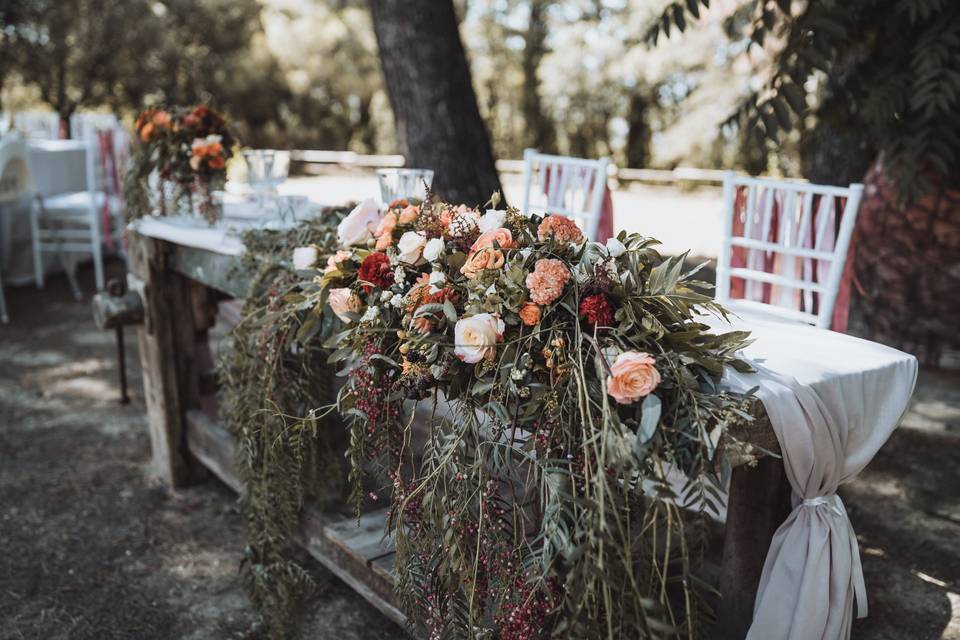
x,y
562,229
596,309
547,280
375,271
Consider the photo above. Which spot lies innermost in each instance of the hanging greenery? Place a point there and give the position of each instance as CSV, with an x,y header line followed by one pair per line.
x,y
273,379
566,384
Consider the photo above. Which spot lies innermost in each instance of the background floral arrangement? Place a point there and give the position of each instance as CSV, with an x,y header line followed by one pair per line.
x,y
564,381
188,147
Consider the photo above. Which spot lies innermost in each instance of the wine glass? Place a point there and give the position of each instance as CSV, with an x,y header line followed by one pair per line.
x,y
404,183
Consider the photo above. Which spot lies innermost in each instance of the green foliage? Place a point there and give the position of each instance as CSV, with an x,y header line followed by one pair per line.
x,y
536,505
902,59
287,450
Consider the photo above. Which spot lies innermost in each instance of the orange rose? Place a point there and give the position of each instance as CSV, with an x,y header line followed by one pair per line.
x,y
501,236
146,132
530,314
384,232
486,258
633,375
216,162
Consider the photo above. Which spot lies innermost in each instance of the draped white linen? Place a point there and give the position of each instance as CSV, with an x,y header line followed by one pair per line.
x,y
833,400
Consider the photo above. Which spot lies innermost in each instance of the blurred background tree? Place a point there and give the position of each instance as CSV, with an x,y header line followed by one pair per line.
x,y
875,88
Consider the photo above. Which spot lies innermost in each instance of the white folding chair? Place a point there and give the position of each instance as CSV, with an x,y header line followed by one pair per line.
x,y
14,185
572,187
69,222
792,262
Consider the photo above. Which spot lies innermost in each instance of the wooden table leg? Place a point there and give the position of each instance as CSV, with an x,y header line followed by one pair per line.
x,y
759,502
173,351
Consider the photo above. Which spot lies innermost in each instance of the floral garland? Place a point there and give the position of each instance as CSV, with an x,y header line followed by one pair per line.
x,y
564,381
186,146
287,452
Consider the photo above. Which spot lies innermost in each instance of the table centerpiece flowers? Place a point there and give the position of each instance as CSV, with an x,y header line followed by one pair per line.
x,y
563,382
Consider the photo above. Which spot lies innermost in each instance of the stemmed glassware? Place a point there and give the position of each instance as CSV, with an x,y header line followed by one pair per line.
x,y
404,183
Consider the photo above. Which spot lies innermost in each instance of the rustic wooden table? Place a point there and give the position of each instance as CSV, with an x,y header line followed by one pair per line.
x,y
181,289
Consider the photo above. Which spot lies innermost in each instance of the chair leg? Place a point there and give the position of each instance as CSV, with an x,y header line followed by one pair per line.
x,y
35,240
96,247
4,318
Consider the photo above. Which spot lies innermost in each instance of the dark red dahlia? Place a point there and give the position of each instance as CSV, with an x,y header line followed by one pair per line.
x,y
596,309
375,272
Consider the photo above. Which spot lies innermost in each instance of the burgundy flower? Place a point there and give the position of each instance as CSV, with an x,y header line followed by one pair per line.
x,y
596,309
375,270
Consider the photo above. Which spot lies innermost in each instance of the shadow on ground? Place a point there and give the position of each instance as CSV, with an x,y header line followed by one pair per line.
x,y
93,547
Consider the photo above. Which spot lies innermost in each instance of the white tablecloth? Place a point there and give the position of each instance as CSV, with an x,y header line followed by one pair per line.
x,y
833,400
224,236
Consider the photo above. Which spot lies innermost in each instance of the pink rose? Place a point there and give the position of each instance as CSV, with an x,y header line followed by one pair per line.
x,y
633,375
357,227
344,301
333,262
409,214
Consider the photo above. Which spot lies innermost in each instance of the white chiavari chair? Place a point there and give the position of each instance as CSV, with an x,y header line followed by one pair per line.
x,y
785,246
572,187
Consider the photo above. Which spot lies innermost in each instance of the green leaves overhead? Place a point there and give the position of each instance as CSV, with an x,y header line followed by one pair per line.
x,y
900,66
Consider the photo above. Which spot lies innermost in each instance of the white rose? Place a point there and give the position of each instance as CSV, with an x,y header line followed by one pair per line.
x,y
344,301
476,337
437,277
410,247
433,249
615,248
305,258
357,227
492,219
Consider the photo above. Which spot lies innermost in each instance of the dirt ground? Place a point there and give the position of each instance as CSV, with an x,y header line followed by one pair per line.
x,y
92,547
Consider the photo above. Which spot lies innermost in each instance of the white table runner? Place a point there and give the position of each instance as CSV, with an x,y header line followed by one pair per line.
x,y
833,400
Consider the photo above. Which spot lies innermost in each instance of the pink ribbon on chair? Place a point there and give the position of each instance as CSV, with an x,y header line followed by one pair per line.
x,y
605,229
770,262
111,183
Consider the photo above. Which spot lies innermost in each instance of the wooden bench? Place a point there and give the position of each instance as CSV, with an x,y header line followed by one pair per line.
x,y
181,288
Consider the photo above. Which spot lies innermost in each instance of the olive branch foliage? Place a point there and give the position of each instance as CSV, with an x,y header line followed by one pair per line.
x,y
901,66
272,380
532,505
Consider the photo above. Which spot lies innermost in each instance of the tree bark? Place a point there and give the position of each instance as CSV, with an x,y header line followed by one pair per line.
x,y
541,134
428,80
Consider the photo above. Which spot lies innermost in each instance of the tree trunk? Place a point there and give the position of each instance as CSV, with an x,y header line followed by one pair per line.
x,y
428,79
638,136
541,133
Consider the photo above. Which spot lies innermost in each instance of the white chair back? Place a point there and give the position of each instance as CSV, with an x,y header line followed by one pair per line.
x,y
572,187
789,245
14,170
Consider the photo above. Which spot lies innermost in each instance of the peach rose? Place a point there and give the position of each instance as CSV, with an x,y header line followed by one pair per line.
x,y
501,236
409,214
384,232
476,337
344,301
356,227
486,258
305,257
333,262
633,375
547,280
561,228
530,314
